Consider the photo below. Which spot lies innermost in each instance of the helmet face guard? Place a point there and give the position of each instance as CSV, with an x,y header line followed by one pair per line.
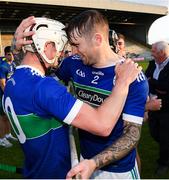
x,y
47,30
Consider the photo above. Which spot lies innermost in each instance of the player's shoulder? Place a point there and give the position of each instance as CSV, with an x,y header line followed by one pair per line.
x,y
75,57
49,83
49,87
140,83
3,62
4,65
141,78
2,58
71,61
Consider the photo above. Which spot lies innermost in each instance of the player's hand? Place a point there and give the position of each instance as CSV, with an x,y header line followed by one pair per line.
x,y
85,168
20,35
127,71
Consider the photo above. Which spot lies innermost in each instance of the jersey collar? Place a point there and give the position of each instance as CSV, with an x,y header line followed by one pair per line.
x,y
35,70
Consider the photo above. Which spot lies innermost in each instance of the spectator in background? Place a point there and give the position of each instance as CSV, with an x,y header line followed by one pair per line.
x,y
121,46
6,70
158,78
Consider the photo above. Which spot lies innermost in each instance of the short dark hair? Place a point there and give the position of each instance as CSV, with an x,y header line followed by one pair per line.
x,y
85,23
121,36
7,49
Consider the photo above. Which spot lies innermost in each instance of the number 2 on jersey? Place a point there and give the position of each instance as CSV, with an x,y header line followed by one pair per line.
x,y
95,80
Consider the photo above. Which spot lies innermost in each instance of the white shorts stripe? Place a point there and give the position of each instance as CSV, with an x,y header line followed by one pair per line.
x,y
132,174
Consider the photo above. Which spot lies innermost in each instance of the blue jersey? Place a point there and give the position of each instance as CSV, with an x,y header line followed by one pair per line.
x,y
39,109
93,85
2,59
6,70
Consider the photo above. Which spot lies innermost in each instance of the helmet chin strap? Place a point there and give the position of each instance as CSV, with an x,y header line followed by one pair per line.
x,y
42,62
52,66
59,59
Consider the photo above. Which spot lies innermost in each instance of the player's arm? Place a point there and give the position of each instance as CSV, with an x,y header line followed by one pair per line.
x,y
2,83
119,149
2,77
102,120
113,153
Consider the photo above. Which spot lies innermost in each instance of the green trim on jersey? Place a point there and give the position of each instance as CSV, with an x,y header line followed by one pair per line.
x,y
91,95
93,89
34,126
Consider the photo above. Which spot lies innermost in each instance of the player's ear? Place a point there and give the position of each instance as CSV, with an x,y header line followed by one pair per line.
x,y
98,39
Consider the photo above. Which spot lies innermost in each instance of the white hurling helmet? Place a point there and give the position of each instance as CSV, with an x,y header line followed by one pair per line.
x,y
46,30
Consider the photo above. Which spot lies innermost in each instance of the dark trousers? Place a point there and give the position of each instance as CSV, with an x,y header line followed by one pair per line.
x,y
159,130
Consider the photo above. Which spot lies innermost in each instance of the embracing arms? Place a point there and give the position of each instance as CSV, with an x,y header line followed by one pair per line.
x,y
114,152
111,108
